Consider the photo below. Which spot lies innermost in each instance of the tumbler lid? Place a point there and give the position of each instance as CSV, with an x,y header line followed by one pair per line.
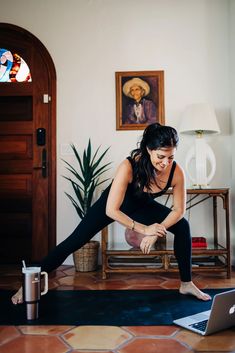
x,y
31,269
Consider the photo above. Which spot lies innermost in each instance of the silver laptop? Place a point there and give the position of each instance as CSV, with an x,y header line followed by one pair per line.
x,y
220,317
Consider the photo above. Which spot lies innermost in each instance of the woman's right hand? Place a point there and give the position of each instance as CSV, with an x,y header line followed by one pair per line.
x,y
155,229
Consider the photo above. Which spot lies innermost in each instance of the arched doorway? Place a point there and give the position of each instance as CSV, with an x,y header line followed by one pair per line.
x,y
27,147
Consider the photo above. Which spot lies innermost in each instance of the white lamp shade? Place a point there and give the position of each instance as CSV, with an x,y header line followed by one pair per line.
x,y
199,117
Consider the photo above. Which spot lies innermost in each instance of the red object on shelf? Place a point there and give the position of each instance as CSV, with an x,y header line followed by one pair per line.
x,y
199,242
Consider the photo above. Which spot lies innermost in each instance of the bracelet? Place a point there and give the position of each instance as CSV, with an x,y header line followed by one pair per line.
x,y
133,225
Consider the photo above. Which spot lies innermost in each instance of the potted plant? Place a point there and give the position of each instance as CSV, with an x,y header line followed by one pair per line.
x,y
85,179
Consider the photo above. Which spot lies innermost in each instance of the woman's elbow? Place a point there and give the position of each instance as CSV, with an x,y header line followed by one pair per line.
x,y
181,215
109,212
180,212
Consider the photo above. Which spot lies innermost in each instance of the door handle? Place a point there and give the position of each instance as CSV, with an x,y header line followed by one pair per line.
x,y
43,167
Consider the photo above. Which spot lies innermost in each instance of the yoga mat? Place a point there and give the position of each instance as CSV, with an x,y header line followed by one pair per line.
x,y
105,307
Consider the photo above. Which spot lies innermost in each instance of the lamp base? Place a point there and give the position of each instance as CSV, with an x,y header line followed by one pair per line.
x,y
200,153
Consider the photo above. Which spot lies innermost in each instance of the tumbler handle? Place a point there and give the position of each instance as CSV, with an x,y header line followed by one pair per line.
x,y
45,282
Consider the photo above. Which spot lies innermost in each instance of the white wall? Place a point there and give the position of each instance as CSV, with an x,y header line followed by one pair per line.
x,y
90,40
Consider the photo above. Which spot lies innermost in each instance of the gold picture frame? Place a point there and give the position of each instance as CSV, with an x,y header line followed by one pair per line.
x,y
139,99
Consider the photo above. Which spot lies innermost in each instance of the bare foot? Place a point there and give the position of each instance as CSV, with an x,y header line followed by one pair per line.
x,y
17,298
191,289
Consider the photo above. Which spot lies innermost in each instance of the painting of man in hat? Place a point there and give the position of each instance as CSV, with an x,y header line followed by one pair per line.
x,y
140,100
139,109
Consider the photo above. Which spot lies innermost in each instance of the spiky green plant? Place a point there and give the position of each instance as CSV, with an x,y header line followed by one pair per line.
x,y
86,177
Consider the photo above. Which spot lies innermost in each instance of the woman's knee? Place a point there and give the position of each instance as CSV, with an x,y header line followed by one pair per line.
x,y
181,227
184,224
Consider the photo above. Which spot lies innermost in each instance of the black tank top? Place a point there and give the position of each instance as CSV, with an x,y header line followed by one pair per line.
x,y
168,184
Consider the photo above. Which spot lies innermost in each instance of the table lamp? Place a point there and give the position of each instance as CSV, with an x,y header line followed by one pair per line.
x,y
200,119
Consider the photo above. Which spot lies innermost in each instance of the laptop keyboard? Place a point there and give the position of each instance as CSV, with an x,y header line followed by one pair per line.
x,y
201,326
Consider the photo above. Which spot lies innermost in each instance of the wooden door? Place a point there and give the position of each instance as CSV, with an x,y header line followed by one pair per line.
x,y
27,149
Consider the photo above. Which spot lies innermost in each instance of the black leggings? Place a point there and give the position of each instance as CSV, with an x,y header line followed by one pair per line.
x,y
145,210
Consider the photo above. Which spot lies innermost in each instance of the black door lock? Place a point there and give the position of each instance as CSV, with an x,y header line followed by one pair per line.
x,y
41,136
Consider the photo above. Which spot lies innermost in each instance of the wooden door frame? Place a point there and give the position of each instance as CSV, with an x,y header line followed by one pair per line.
x,y
49,65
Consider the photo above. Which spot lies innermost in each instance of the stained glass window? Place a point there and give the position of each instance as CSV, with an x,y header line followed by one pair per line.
x,y
13,68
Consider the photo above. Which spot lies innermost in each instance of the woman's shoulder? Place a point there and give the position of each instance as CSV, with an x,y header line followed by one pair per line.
x,y
125,168
178,168
125,163
179,175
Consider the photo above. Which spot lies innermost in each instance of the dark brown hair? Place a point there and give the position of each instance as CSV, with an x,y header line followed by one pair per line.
x,y
155,136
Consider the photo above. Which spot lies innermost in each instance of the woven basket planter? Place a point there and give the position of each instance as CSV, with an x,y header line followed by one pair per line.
x,y
86,258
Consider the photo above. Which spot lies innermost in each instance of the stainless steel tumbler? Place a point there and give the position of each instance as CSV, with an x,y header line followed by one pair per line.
x,y
32,290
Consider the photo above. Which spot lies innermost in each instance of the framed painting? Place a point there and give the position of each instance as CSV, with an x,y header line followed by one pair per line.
x,y
139,99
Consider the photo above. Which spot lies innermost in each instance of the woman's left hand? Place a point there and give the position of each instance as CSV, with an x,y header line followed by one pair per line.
x,y
147,242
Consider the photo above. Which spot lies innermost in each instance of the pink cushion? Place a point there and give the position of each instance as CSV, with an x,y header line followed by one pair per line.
x,y
133,238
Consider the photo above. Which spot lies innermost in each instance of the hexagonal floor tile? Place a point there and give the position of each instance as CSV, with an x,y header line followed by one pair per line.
x,y
44,330
223,341
39,344
96,337
152,330
151,345
8,333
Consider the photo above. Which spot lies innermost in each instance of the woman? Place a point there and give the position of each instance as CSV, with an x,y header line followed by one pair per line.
x,y
129,200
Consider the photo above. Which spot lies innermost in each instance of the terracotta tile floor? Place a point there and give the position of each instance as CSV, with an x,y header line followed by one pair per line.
x,y
111,339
